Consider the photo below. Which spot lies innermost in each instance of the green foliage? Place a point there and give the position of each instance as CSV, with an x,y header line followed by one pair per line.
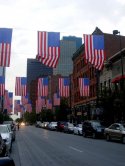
x,y
46,115
4,117
30,117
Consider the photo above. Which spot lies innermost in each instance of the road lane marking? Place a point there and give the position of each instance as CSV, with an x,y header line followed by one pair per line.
x,y
71,147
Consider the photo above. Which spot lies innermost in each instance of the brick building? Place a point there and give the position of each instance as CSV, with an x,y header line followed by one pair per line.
x,y
86,107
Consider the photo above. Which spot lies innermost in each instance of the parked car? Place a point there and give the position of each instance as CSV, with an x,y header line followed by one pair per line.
x,y
38,124
3,150
6,161
78,129
12,131
6,136
93,129
45,125
116,131
52,125
60,126
12,128
68,127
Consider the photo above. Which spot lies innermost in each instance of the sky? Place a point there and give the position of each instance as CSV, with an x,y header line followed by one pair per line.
x,y
69,17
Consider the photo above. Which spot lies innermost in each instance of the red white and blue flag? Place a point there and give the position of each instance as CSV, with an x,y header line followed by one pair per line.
x,y
24,100
18,86
64,84
49,104
5,46
17,107
56,99
6,100
40,103
2,85
21,86
43,87
84,84
10,101
48,48
94,50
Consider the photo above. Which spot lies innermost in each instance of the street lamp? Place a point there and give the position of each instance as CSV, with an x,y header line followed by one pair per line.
x,y
115,32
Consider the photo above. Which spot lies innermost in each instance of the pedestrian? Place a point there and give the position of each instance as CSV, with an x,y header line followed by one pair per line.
x,y
18,126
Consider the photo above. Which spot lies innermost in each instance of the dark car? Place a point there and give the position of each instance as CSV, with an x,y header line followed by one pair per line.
x,y
60,126
6,161
116,131
3,150
93,129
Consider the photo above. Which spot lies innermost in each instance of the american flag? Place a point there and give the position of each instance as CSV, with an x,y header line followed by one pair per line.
x,y
24,100
5,46
56,99
28,107
43,87
84,86
2,85
64,84
23,86
6,100
17,105
40,102
48,48
10,97
49,104
18,86
11,100
94,50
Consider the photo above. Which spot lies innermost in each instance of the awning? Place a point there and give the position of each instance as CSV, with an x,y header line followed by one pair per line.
x,y
117,79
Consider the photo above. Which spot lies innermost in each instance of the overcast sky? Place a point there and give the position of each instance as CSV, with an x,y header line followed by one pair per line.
x,y
69,17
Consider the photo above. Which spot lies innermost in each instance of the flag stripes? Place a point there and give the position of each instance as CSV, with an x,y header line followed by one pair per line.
x,y
84,86
5,46
49,48
64,87
94,50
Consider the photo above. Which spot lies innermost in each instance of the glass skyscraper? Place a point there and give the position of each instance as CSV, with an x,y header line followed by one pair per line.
x,y
68,46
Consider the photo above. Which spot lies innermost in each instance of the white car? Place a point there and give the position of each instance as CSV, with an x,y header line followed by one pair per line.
x,y
52,125
78,129
6,136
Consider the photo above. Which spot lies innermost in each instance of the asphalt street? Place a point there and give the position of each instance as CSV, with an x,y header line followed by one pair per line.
x,y
41,147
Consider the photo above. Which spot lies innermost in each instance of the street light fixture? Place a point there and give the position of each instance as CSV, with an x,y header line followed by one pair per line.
x,y
115,32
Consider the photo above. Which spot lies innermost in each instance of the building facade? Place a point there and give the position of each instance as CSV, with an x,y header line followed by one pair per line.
x,y
35,70
91,107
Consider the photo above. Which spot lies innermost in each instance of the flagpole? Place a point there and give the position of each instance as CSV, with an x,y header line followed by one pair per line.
x,y
70,104
97,88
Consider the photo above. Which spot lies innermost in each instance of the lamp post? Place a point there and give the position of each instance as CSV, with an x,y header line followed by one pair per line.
x,y
115,32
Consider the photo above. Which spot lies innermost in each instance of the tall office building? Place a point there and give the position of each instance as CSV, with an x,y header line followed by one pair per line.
x,y
35,70
68,46
78,40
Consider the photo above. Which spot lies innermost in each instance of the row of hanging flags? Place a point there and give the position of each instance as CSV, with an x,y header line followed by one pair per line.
x,y
42,91
48,51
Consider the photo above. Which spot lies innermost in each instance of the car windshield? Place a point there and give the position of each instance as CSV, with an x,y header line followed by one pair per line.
x,y
123,126
96,124
3,129
70,125
80,125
